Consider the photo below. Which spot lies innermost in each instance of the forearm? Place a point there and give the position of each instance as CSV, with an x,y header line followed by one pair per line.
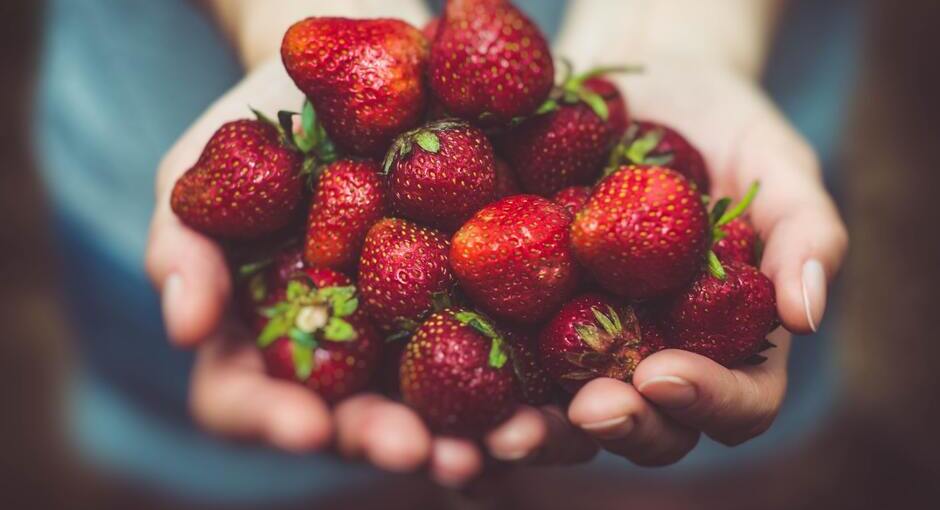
x,y
733,33
255,27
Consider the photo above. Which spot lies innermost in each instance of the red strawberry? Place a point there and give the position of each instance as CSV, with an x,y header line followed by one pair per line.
x,y
596,336
506,183
570,143
317,335
739,242
431,28
261,283
533,385
618,117
649,143
350,196
403,268
455,373
489,63
514,258
365,77
573,198
728,319
246,183
441,174
643,233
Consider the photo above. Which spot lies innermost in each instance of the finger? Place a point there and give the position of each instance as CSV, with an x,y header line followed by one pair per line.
x,y
730,405
351,416
394,438
519,436
615,414
805,237
454,462
566,443
231,396
190,272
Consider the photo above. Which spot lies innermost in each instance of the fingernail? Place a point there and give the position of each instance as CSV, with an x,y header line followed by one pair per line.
x,y
172,293
669,391
814,292
613,428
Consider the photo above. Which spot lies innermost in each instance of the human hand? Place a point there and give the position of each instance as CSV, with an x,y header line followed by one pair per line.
x,y
231,395
677,395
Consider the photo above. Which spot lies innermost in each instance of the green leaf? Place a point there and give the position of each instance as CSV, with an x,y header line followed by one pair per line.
x,y
278,327
741,206
715,267
498,355
397,336
718,210
589,335
549,105
579,375
604,321
441,301
258,288
262,117
602,71
250,269
477,322
296,289
302,337
302,357
428,141
338,330
595,102
639,150
615,318
308,120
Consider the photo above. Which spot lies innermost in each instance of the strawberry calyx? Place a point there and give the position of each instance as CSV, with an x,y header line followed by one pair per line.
x,y
425,137
405,326
614,346
309,138
499,352
633,149
308,316
720,215
572,90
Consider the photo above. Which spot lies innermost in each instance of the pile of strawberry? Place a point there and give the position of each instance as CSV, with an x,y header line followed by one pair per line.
x,y
445,223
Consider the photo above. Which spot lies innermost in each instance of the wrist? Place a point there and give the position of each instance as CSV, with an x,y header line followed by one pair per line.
x,y
734,34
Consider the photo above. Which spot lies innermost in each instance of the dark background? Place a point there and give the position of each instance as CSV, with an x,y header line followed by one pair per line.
x,y
881,451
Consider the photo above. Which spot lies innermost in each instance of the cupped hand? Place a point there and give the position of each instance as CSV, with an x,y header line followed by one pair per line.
x,y
231,395
677,395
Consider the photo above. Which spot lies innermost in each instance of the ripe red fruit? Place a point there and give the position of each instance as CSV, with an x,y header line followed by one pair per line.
x,y
317,335
350,196
728,319
573,198
596,336
514,259
643,233
533,384
456,374
365,77
618,117
430,28
403,268
246,183
649,143
489,63
506,183
441,174
261,282
569,143
739,242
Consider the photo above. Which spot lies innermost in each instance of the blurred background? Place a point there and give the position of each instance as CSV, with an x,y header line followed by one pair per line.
x,y
875,446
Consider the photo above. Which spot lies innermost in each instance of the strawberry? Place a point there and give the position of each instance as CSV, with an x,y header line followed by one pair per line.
x,y
572,198
365,77
431,28
533,385
456,374
726,319
618,116
643,233
739,242
649,143
402,270
506,183
350,196
441,173
489,63
514,258
569,142
594,335
317,335
259,282
246,183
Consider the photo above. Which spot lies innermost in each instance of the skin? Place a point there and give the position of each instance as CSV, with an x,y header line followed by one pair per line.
x,y
688,84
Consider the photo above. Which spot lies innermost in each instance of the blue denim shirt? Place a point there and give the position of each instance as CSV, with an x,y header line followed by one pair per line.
x,y
120,80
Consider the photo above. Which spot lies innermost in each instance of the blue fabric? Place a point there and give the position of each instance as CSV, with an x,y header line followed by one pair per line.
x,y
120,80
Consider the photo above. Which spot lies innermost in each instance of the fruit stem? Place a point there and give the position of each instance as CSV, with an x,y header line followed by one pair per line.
x,y
740,207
